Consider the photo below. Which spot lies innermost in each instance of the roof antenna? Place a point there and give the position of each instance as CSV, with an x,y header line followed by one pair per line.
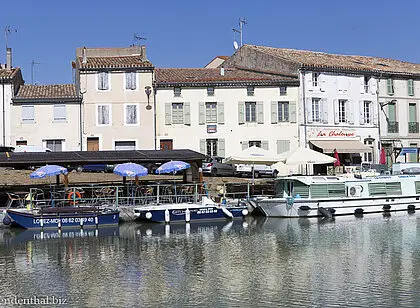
x,y
242,22
137,38
33,63
7,32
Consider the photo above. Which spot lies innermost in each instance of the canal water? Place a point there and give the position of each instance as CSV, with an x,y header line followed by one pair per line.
x,y
373,261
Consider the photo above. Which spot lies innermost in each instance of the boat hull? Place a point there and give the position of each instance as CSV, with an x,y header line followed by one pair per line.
x,y
33,220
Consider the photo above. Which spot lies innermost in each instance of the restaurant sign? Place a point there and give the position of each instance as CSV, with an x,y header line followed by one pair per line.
x,y
211,128
332,133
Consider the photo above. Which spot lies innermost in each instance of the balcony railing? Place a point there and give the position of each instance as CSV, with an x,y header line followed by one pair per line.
x,y
413,127
392,127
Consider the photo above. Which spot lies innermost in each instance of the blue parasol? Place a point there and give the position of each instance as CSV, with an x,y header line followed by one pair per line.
x,y
130,169
48,170
172,167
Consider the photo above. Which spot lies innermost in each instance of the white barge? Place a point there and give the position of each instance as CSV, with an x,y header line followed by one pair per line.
x,y
314,196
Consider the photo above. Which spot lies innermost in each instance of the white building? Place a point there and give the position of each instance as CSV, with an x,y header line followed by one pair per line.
x,y
222,111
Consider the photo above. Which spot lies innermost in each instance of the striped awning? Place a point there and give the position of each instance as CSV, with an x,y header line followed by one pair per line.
x,y
342,146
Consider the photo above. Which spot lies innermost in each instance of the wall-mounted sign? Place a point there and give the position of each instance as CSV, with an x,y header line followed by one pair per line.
x,y
332,133
211,129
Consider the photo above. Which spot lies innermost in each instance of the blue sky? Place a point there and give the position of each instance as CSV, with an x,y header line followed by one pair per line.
x,y
190,33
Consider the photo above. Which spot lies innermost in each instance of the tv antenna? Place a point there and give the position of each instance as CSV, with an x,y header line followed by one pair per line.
x,y
242,22
137,38
7,32
33,63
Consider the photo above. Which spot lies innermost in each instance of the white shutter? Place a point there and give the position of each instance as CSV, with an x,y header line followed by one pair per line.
x,y
187,114
264,145
324,106
336,117
220,112
322,81
373,85
374,112
362,112
59,112
203,146
221,147
241,110
168,113
362,85
309,110
28,113
292,112
283,146
308,81
201,113
349,112
105,80
260,113
245,145
274,112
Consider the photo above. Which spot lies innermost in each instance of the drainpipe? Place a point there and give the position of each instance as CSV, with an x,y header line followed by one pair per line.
x,y
154,110
4,118
304,109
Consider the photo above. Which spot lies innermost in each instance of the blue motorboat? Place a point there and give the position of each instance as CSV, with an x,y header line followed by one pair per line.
x,y
63,217
186,212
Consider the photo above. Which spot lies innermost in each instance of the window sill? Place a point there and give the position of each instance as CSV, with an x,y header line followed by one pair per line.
x,y
28,122
60,121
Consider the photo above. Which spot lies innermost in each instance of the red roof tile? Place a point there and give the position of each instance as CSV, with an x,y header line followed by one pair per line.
x,y
53,91
4,73
133,61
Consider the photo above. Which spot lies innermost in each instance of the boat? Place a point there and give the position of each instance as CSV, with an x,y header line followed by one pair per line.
x,y
62,217
188,211
328,196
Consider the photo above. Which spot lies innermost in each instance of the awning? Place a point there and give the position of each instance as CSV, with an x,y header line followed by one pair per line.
x,y
342,146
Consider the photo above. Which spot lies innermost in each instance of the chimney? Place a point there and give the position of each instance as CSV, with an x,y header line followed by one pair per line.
x,y
143,53
222,71
8,58
84,57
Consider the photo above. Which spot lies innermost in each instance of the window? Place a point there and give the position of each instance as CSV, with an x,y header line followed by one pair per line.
x,y
104,115
125,145
250,91
211,112
250,112
390,86
283,111
131,115
255,143
410,86
211,148
103,82
368,156
60,112
131,80
316,110
366,84
177,113
366,112
315,77
342,111
210,91
28,114
283,91
55,145
413,125
21,142
177,91
413,156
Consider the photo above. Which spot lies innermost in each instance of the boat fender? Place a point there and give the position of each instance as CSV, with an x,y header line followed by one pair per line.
x,y
226,212
245,212
74,200
290,200
187,215
148,215
167,216
411,207
386,207
6,220
304,208
358,211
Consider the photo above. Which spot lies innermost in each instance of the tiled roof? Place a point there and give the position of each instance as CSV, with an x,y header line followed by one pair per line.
x,y
53,91
347,62
213,75
133,61
9,73
223,57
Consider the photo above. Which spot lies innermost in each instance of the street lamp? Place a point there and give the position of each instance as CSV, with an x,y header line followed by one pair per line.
x,y
148,91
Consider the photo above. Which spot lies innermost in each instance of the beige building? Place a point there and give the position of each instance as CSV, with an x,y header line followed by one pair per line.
x,y
117,98
48,116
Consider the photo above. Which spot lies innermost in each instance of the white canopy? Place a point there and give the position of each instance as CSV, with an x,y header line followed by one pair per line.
x,y
305,156
253,155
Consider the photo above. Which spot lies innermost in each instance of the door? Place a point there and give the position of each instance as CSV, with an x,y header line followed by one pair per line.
x,y
93,143
166,144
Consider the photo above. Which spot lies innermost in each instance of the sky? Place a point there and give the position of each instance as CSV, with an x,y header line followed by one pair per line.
x,y
190,33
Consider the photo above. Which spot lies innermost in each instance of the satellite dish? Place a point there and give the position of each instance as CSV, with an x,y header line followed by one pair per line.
x,y
235,45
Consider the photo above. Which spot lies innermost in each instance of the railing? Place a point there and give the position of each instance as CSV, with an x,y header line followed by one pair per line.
x,y
393,127
413,127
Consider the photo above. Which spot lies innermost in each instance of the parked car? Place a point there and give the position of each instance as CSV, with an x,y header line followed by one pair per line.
x,y
245,170
214,166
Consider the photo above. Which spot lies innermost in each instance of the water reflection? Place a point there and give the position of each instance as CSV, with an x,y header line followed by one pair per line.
x,y
353,262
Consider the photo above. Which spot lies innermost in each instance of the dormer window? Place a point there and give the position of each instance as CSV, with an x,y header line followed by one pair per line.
x,y
210,91
250,91
177,91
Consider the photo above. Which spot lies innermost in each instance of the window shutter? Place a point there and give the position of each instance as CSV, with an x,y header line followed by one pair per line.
x,y
375,112
349,112
309,110
308,81
292,112
201,113
59,112
362,85
187,114
105,80
221,147
203,146
133,80
264,144
241,110
410,87
245,145
283,146
28,113
168,113
274,112
260,113
373,85
336,117
321,81
128,80
324,106
220,112
361,112
390,86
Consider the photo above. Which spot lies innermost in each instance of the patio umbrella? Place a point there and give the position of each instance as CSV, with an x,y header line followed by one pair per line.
x,y
48,170
130,169
172,167
382,157
305,156
337,162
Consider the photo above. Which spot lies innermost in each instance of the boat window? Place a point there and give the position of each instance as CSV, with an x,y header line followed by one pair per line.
x,y
378,189
328,190
300,189
280,188
417,183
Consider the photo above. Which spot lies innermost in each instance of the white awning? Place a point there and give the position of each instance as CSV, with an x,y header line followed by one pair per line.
x,y
342,146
